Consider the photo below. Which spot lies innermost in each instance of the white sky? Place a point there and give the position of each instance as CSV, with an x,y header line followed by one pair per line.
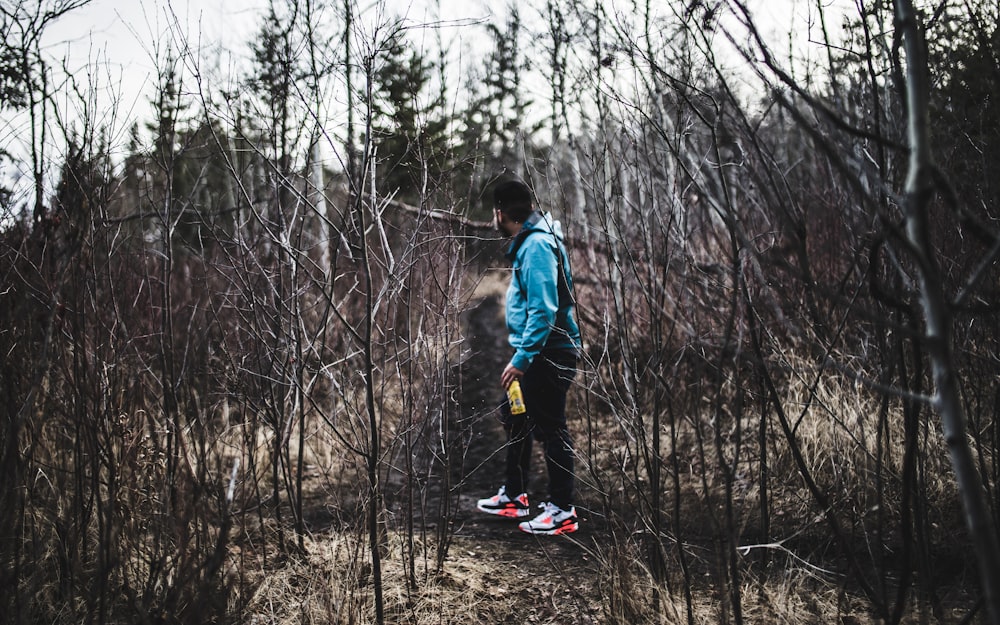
x,y
114,47
128,36
125,37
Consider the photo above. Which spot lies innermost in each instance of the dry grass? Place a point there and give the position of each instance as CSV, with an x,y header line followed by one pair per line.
x,y
759,545
497,582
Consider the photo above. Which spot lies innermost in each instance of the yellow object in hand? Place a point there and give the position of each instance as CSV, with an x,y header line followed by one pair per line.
x,y
516,398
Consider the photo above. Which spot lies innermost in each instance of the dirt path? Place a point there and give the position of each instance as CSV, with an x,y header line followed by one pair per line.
x,y
493,573
526,579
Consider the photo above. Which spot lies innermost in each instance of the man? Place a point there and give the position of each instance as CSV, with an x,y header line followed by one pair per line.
x,y
546,341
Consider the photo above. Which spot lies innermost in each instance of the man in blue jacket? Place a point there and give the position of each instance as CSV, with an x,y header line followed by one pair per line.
x,y
546,341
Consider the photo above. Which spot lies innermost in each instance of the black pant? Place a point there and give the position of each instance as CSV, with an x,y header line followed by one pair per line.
x,y
544,385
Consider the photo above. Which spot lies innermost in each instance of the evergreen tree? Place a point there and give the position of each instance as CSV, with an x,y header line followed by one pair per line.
x,y
166,190
84,188
504,103
181,178
275,77
12,82
492,130
967,51
276,68
411,124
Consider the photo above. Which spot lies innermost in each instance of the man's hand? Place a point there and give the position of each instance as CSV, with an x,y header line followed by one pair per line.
x,y
510,373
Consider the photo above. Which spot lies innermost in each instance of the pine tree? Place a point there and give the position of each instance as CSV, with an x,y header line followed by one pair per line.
x,y
411,124
504,103
492,129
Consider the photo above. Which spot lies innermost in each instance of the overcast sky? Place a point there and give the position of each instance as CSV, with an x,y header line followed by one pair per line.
x,y
125,37
112,48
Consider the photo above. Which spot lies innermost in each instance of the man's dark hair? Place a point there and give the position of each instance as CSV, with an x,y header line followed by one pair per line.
x,y
513,198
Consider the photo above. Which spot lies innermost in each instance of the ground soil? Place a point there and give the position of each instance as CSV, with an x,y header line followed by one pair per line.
x,y
493,573
537,579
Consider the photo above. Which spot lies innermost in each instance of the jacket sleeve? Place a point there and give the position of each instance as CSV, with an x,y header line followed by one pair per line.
x,y
538,276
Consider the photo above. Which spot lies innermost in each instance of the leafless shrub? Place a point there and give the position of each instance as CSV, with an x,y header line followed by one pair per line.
x,y
241,383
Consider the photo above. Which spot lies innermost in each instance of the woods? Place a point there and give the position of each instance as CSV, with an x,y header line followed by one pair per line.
x,y
250,335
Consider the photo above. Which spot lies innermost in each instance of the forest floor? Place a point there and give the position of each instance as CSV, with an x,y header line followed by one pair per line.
x,y
493,573
513,577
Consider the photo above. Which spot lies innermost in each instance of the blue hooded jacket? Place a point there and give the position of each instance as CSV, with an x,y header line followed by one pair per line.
x,y
539,300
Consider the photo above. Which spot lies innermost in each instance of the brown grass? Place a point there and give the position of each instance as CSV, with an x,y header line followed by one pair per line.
x,y
160,529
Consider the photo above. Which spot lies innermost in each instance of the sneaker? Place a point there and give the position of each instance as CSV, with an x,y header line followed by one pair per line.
x,y
552,521
502,505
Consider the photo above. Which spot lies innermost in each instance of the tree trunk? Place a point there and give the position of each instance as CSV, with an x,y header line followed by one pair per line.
x,y
937,313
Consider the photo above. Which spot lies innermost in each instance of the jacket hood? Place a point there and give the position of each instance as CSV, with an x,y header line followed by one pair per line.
x,y
536,222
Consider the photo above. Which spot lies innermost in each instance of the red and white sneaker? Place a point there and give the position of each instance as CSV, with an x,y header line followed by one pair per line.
x,y
552,521
502,505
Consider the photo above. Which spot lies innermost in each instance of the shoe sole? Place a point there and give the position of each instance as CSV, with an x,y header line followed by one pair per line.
x,y
556,531
507,513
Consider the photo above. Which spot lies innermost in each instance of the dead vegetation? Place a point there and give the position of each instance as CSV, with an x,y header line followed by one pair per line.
x,y
244,385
